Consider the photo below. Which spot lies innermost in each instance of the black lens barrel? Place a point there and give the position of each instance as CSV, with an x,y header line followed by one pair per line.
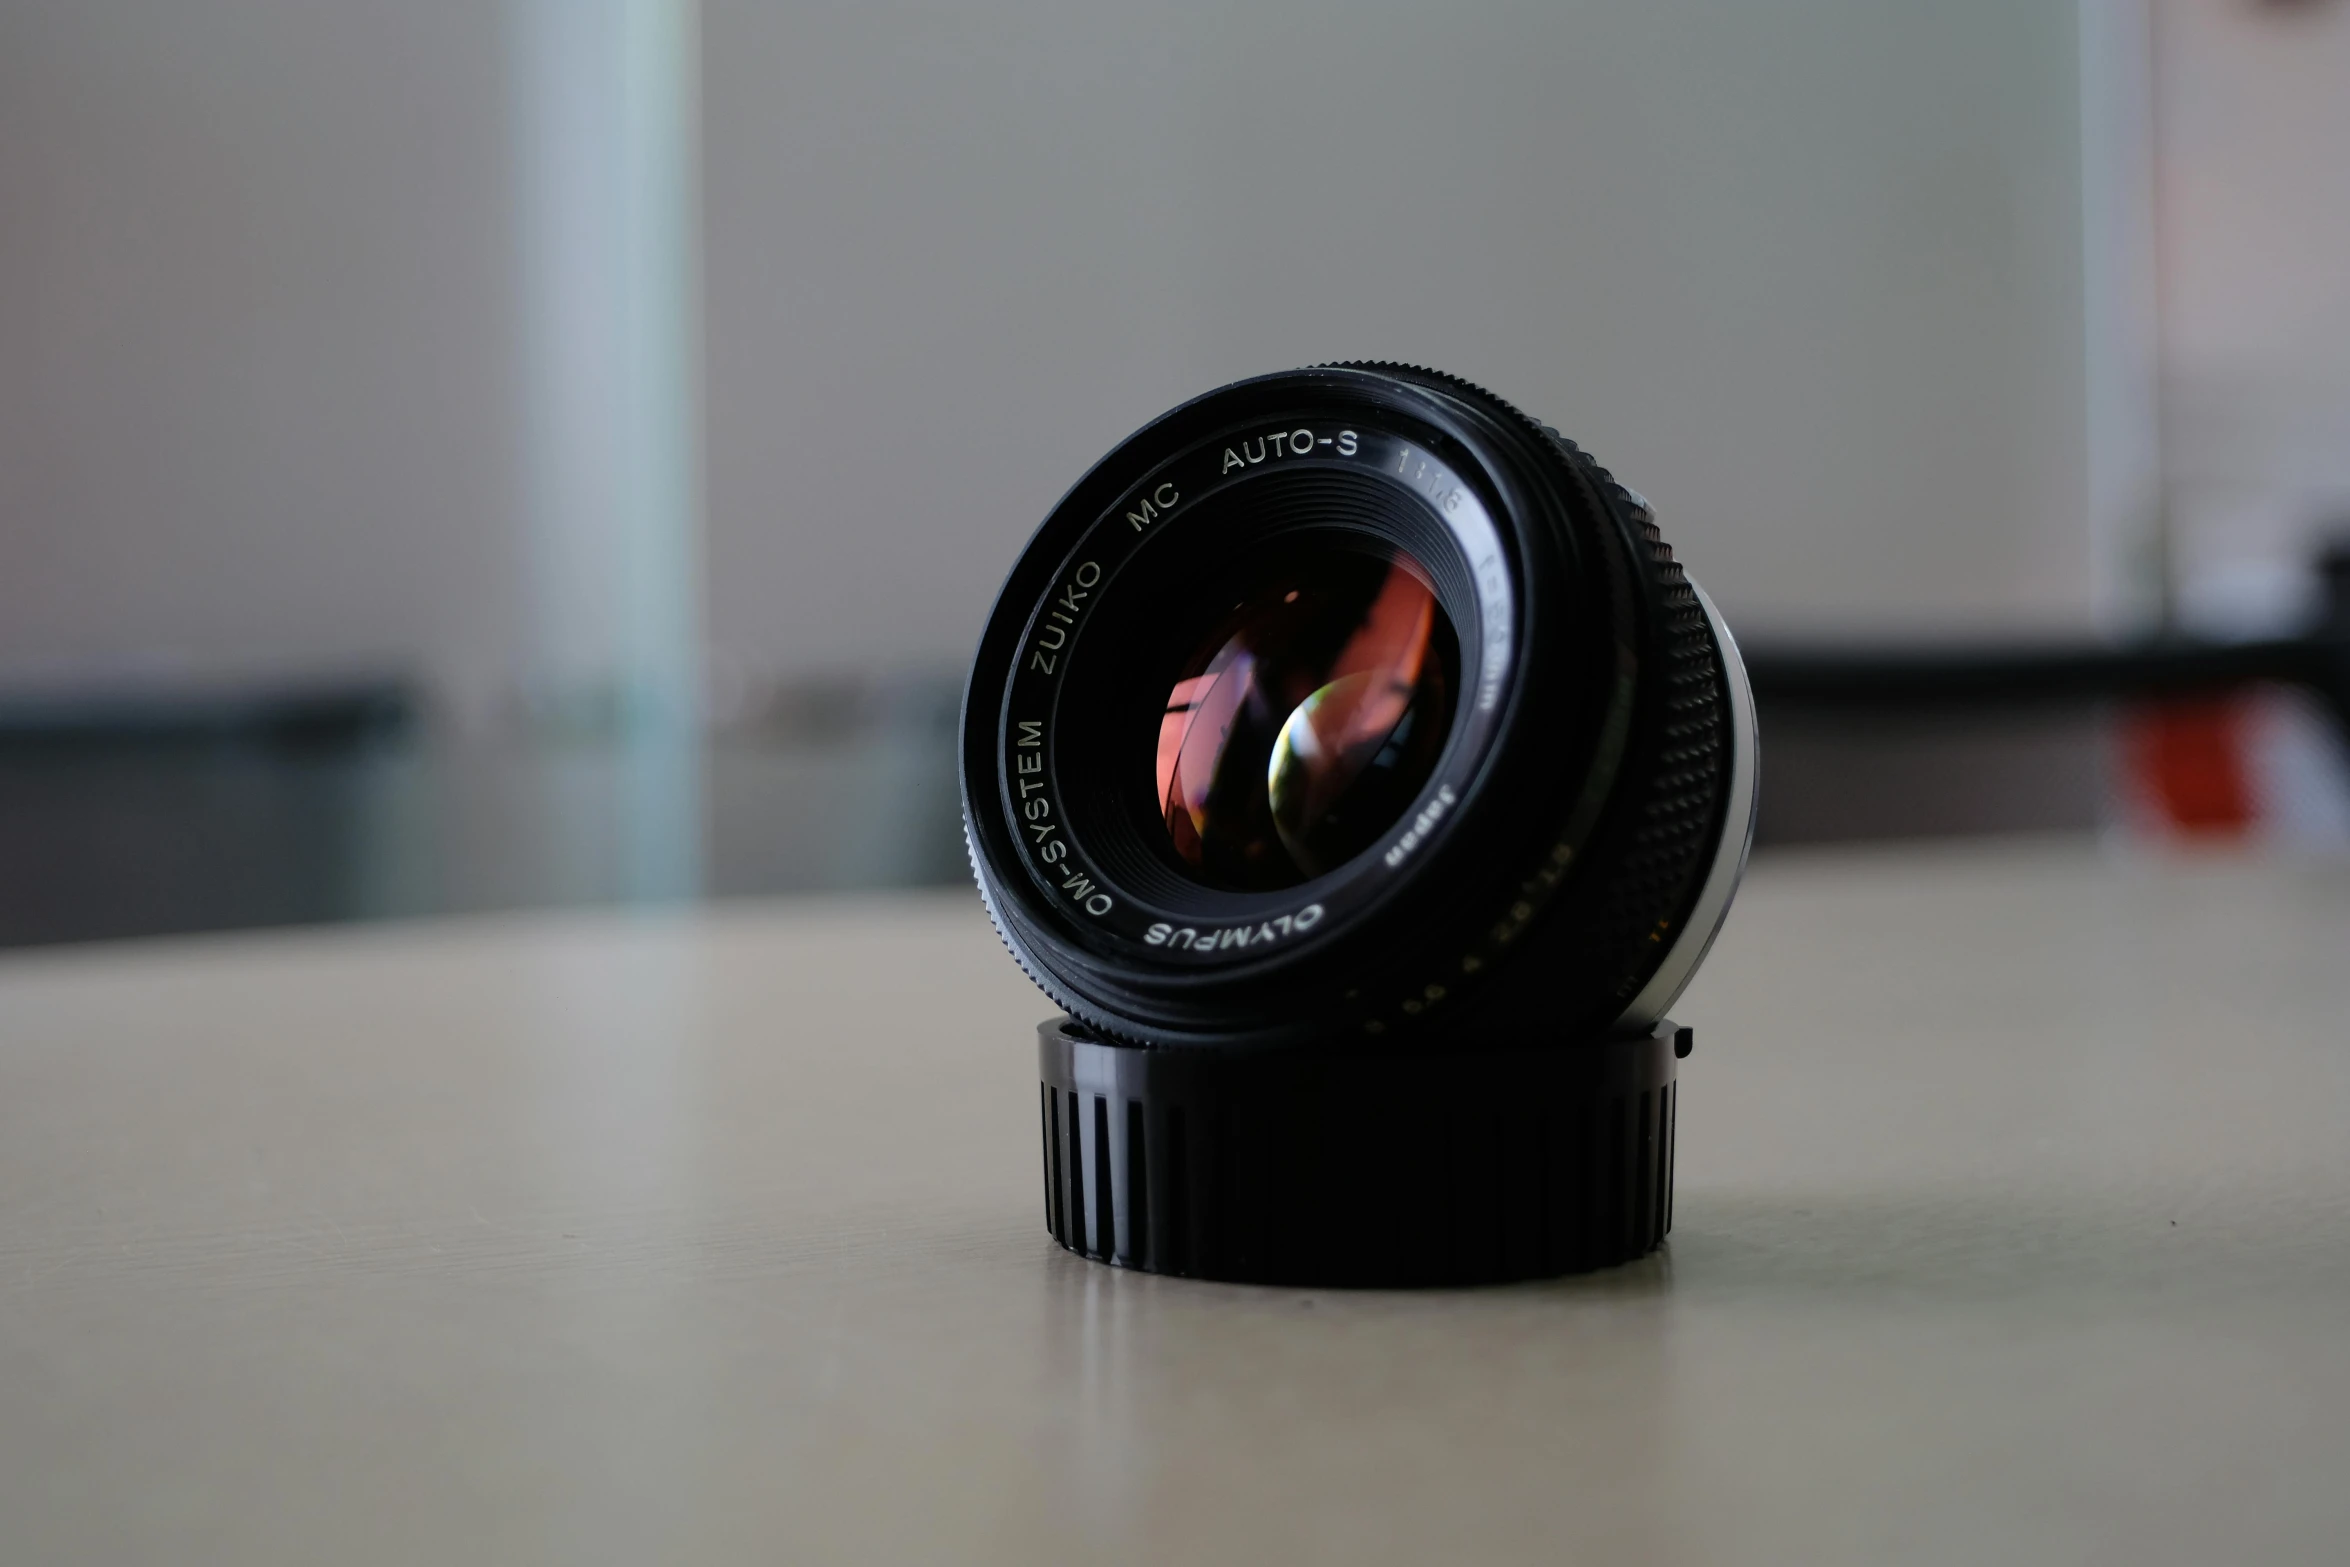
x,y
1564,835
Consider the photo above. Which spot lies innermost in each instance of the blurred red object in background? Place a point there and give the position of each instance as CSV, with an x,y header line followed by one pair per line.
x,y
2189,761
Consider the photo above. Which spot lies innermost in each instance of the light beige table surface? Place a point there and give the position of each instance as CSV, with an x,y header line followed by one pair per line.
x,y
2014,1226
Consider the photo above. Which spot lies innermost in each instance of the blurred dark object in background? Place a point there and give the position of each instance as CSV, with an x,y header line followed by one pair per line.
x,y
1896,741
836,782
130,813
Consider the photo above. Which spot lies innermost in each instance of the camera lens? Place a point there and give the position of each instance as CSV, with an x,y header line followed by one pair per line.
x,y
1307,717
1351,703
1351,760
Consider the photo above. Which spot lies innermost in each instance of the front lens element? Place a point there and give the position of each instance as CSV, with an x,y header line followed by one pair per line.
x,y
1306,719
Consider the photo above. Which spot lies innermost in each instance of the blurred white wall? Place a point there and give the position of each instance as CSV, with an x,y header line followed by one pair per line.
x,y
258,378
1810,273
2254,132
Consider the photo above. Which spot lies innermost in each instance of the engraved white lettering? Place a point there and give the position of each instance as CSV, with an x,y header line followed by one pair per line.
x,y
1422,824
1052,637
1277,443
1156,505
1240,935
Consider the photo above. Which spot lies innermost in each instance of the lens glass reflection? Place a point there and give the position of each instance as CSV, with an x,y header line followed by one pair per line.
x,y
1305,721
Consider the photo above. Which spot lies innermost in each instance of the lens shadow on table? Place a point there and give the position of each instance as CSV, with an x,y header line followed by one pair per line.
x,y
1972,1245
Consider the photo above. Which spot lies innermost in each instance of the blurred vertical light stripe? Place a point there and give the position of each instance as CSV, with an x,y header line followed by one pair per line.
x,y
607,154
2129,558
